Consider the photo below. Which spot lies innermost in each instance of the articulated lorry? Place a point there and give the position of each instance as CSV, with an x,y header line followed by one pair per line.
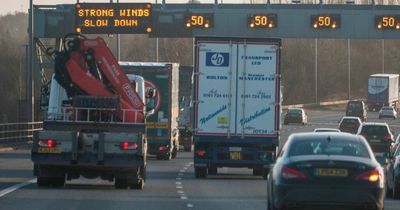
x,y
236,104
162,122
383,90
184,125
96,119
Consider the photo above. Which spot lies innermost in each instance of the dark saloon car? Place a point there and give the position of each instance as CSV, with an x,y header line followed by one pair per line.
x,y
326,170
295,115
349,124
393,175
378,136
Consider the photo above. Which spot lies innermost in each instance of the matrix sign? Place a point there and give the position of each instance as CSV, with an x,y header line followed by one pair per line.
x,y
390,22
261,21
325,21
203,20
108,18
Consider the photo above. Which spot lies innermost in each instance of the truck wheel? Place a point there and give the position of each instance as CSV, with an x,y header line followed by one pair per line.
x,y
58,182
200,172
42,181
121,183
257,172
139,185
212,170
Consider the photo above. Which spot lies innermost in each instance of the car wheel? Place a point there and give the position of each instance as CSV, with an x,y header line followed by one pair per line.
x,y
121,183
396,190
389,192
174,153
265,172
168,156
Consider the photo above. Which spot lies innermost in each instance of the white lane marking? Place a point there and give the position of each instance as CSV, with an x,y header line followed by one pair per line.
x,y
184,198
189,205
16,187
179,187
180,174
181,192
178,183
182,171
178,178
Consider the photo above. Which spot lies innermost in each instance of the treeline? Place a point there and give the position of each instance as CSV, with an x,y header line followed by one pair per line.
x,y
300,66
13,36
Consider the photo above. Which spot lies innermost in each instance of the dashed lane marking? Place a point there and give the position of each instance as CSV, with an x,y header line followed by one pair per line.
x,y
16,187
189,205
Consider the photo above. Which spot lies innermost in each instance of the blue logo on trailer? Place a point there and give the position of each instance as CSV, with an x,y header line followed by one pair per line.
x,y
217,59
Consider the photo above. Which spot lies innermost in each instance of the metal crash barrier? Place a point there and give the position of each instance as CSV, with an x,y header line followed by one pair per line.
x,y
18,134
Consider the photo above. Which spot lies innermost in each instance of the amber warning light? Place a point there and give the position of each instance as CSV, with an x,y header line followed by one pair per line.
x,y
97,18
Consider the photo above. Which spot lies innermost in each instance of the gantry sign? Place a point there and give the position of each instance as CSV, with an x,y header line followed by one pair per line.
x,y
240,20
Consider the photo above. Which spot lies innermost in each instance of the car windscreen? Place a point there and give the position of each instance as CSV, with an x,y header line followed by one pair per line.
x,y
387,108
328,146
374,130
294,111
351,122
354,105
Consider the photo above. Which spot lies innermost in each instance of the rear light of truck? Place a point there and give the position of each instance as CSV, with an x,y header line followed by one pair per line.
x,y
200,153
126,145
50,143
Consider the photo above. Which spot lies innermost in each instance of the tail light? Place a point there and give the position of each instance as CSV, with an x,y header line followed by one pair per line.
x,y
50,143
290,173
163,148
200,152
126,145
387,137
371,176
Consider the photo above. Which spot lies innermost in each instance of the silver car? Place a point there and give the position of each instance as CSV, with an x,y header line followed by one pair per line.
x,y
387,111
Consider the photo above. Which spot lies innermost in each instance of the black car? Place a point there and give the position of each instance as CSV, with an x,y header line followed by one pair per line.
x,y
295,115
349,124
356,108
326,170
393,178
378,136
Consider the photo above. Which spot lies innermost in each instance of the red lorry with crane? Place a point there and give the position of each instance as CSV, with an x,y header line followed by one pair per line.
x,y
96,123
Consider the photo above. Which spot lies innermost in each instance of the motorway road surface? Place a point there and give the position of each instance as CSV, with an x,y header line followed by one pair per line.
x,y
169,185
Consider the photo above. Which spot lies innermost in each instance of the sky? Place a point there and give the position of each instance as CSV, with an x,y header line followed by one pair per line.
x,y
12,6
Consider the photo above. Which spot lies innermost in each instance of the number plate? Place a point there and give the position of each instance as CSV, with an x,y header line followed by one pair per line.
x,y
331,172
375,140
55,150
236,155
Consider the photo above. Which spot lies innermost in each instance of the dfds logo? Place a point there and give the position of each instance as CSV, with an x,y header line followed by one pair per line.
x,y
217,59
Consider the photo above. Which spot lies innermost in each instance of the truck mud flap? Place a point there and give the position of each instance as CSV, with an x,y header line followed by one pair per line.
x,y
100,154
